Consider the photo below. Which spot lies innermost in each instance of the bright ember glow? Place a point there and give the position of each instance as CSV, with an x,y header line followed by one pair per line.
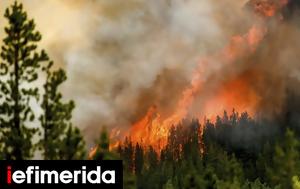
x,y
235,92
154,131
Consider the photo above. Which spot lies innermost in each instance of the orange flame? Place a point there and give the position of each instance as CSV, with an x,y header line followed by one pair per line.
x,y
151,129
236,93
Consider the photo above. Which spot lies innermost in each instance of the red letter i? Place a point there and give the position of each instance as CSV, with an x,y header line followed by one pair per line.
x,y
8,174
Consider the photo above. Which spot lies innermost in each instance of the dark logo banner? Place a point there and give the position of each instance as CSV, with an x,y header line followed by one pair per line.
x,y
47,174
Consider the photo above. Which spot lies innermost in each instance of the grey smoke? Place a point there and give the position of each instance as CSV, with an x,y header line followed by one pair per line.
x,y
116,52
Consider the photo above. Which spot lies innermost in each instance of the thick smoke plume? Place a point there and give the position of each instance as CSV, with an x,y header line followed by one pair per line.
x,y
123,57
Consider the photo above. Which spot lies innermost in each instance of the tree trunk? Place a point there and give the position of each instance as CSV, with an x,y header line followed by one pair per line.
x,y
18,146
46,155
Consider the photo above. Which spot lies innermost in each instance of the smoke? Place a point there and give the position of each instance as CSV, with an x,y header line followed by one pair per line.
x,y
123,57
272,72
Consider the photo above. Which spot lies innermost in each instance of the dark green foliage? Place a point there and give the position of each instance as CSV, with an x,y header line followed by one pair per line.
x,y
138,159
102,149
72,146
20,63
127,154
104,140
20,66
220,161
60,140
152,158
285,162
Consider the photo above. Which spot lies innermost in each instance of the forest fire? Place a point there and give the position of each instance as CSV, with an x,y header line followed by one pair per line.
x,y
153,130
230,94
187,94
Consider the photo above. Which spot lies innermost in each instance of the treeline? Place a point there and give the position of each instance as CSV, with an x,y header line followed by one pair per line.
x,y
28,79
234,152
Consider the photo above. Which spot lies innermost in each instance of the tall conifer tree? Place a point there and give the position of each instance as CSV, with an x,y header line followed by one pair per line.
x,y
60,140
20,63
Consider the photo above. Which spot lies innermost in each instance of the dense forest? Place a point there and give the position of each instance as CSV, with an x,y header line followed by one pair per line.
x,y
232,153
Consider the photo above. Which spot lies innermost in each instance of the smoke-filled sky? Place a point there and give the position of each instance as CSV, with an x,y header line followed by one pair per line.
x,y
121,57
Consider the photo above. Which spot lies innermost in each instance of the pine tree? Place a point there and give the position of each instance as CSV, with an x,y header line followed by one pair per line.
x,y
102,151
139,159
60,140
19,69
128,155
285,163
152,158
73,145
104,140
